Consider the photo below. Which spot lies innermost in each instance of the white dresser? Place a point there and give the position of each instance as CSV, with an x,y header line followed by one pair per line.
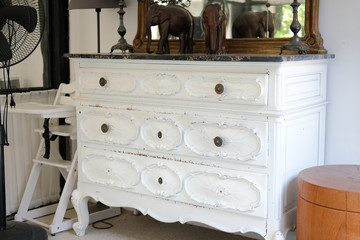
x,y
216,140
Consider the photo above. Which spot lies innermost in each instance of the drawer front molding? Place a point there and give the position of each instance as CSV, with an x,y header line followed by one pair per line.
x,y
246,88
110,171
223,191
161,84
162,133
161,180
108,127
234,142
107,82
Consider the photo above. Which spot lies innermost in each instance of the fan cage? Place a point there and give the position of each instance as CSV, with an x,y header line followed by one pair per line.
x,y
22,43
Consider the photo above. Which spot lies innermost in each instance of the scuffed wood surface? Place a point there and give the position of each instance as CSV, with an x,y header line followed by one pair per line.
x,y
329,203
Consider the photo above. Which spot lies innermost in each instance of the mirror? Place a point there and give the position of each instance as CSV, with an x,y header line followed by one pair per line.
x,y
268,43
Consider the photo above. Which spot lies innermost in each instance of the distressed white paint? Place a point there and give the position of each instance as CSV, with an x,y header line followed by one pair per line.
x,y
342,72
343,82
161,133
161,180
226,192
110,171
114,82
237,142
161,84
120,128
249,88
246,184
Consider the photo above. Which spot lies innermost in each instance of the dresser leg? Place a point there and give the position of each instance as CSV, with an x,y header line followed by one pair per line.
x,y
81,207
136,212
278,236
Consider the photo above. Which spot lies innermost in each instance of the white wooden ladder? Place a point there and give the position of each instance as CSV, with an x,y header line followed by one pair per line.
x,y
48,155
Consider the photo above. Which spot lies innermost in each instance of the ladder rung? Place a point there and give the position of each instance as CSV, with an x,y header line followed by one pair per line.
x,y
61,130
55,163
36,222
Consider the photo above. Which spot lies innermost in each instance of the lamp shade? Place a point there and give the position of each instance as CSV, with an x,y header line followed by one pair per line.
x,y
86,4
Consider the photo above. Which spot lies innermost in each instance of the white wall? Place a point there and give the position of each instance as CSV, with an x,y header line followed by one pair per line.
x,y
341,37
83,28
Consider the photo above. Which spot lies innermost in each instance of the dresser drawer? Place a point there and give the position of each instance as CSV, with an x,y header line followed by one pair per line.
x,y
178,84
229,190
110,170
170,135
240,88
108,126
225,140
107,82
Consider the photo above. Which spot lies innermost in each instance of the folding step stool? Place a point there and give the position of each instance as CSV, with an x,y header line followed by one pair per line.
x,y
48,154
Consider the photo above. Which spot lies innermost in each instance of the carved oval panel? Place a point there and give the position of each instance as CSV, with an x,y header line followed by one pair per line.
x,y
161,180
161,84
223,191
249,88
109,127
221,140
161,133
110,171
111,82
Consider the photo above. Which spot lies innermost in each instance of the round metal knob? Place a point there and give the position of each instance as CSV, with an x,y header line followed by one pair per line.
x,y
218,141
160,180
219,88
104,128
159,134
102,82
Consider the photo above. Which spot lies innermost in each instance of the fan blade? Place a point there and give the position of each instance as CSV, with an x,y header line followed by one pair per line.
x,y
5,51
24,15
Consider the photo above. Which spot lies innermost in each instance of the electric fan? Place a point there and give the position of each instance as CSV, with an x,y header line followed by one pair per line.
x,y
21,25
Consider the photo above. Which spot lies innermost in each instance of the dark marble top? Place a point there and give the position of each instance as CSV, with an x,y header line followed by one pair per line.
x,y
204,57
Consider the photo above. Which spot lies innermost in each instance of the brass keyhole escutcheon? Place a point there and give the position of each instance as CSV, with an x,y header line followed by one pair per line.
x,y
102,82
104,128
160,180
219,88
218,141
159,134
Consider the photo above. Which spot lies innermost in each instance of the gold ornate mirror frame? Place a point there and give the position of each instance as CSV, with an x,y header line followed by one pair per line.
x,y
237,45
